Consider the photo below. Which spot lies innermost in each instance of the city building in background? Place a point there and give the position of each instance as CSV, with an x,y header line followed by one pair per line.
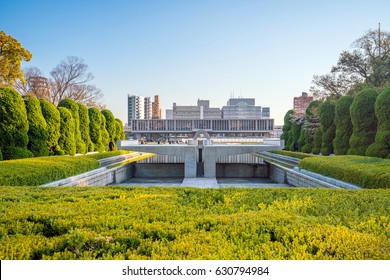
x,y
244,108
301,103
148,112
239,118
201,111
142,108
156,110
135,107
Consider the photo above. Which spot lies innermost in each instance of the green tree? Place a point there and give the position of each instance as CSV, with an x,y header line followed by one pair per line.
x,y
95,129
11,55
381,146
364,121
317,141
310,126
67,139
120,133
286,129
13,125
84,125
105,135
37,127
110,125
326,113
295,132
74,109
52,117
343,124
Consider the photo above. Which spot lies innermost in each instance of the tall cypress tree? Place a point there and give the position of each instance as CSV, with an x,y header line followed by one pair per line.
x,y
286,129
343,124
37,127
74,109
364,121
52,117
328,128
67,124
13,125
381,146
84,125
95,131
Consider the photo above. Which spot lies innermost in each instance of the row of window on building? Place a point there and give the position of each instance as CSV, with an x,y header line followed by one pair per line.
x,y
140,107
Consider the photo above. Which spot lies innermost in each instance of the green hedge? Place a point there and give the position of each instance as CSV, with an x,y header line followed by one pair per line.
x,y
293,154
98,156
42,170
366,172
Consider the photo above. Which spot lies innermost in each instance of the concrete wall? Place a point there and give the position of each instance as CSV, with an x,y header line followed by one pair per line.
x,y
239,170
158,170
284,175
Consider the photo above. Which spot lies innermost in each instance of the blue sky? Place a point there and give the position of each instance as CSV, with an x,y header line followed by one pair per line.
x,y
185,50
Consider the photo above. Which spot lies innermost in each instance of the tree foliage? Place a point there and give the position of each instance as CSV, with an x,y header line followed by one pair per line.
x,y
381,146
364,121
11,55
120,133
95,129
13,125
71,79
84,125
312,123
74,109
52,117
286,129
343,125
367,64
67,129
110,124
105,135
326,114
37,128
317,141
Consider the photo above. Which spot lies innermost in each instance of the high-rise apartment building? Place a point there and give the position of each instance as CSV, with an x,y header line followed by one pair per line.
x,y
136,107
302,102
156,110
147,108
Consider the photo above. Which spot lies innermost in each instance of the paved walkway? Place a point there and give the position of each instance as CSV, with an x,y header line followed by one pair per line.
x,y
200,183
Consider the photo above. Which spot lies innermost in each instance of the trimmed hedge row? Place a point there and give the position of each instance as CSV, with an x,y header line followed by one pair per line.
x,y
98,156
366,172
293,154
41,170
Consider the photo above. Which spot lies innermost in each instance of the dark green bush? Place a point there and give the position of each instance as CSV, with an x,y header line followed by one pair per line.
x,y
105,135
110,124
67,140
13,125
317,141
366,172
84,126
42,170
326,114
286,129
295,132
343,125
37,127
120,133
364,121
74,109
381,146
52,117
311,124
95,129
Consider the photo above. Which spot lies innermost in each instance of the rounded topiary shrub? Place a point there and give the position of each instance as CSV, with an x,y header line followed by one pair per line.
x,y
74,109
37,127
84,125
343,124
67,139
286,129
13,125
95,132
105,136
52,118
381,146
326,114
364,121
110,124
